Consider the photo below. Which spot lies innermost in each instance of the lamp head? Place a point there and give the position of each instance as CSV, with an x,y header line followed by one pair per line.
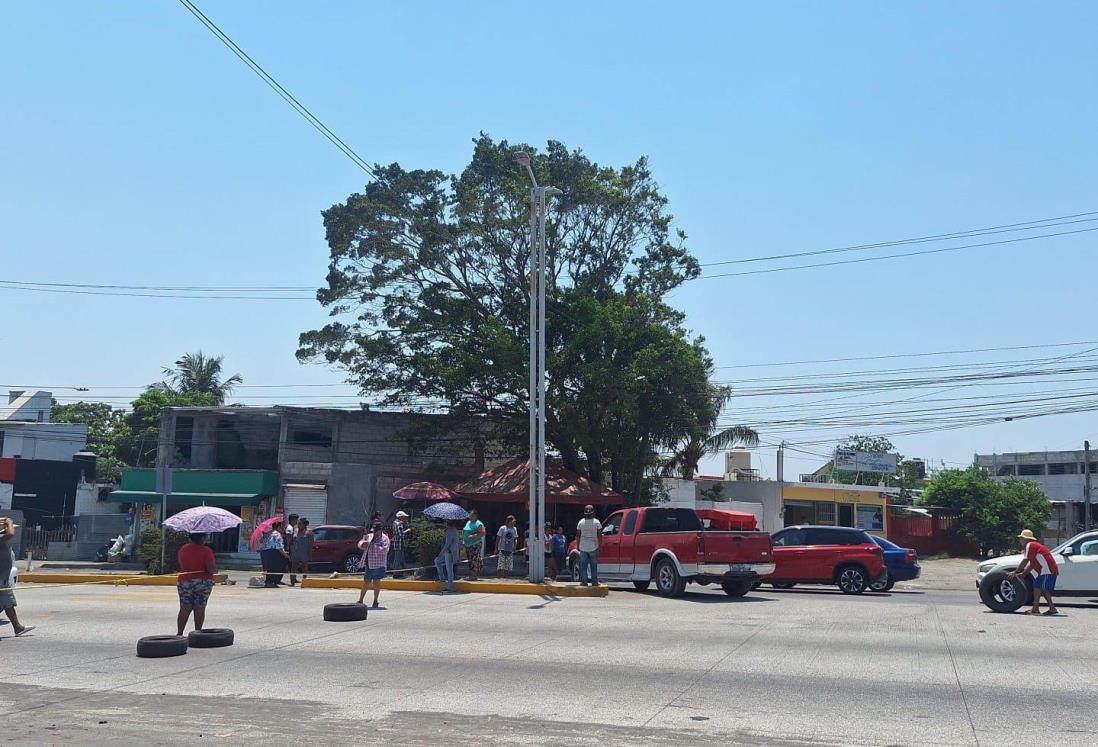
x,y
522,158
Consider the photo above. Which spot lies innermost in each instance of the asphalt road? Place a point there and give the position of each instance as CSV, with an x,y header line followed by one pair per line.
x,y
806,666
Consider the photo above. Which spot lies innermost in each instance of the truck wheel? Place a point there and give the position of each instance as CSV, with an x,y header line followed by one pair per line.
x,y
668,581
736,588
852,579
574,570
641,585
1002,594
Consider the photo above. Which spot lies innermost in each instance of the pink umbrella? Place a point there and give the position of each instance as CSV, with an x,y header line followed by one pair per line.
x,y
261,529
425,491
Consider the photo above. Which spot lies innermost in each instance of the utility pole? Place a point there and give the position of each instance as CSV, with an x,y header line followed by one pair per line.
x,y
539,197
1086,485
781,483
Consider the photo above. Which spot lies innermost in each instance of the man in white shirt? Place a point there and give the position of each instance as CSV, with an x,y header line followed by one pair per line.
x,y
588,542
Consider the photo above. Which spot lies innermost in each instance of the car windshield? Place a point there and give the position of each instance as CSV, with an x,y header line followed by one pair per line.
x,y
884,543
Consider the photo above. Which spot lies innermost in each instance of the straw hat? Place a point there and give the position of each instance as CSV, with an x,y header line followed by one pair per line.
x,y
1027,535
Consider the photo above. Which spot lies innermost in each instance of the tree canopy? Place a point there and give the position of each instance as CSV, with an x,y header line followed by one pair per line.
x,y
991,512
104,424
198,373
428,289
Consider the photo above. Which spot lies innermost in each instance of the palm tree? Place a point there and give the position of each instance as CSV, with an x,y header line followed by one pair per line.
x,y
197,372
684,460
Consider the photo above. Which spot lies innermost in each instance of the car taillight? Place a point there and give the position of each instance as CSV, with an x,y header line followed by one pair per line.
x,y
910,557
877,549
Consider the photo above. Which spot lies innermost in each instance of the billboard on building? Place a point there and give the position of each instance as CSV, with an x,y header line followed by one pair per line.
x,y
863,461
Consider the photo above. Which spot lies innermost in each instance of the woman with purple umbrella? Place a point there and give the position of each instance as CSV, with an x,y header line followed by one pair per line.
x,y
197,564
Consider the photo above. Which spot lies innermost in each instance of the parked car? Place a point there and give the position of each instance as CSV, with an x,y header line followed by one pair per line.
x,y
1078,563
670,546
902,564
844,556
336,545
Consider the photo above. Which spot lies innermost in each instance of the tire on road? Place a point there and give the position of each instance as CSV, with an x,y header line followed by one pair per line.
x,y
345,612
161,646
211,638
349,563
852,579
736,588
574,569
1002,594
641,585
884,583
668,581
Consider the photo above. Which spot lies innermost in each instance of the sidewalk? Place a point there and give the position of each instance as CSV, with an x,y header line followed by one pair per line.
x,y
947,574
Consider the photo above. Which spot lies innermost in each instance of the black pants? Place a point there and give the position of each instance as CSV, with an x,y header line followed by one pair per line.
x,y
273,566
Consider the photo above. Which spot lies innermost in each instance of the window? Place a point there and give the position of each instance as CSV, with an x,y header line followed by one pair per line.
x,y
871,518
671,520
612,524
825,513
1004,470
1030,470
321,535
630,522
789,538
1062,468
799,512
823,537
312,438
1083,541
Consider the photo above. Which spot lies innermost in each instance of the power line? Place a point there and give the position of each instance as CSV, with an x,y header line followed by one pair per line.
x,y
286,96
1008,227
177,288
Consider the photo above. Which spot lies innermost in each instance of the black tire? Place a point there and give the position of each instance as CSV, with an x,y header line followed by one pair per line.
x,y
668,581
211,638
884,583
1002,594
641,585
349,564
345,612
736,588
161,646
574,569
756,585
783,584
852,579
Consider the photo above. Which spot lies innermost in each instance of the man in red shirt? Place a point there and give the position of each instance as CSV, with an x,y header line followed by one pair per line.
x,y
197,566
1042,566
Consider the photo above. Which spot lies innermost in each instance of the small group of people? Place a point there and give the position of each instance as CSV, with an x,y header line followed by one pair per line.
x,y
7,577
286,547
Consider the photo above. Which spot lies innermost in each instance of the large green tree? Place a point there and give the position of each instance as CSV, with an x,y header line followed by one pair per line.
x,y
991,512
198,373
105,427
428,286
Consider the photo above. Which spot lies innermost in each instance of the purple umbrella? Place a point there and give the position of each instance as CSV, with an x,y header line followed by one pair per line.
x,y
425,491
202,520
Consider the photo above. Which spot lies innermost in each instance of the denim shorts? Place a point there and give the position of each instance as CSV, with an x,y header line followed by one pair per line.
x,y
373,574
1046,581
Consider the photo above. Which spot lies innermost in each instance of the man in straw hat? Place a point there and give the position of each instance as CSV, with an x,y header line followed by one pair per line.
x,y
7,577
1042,566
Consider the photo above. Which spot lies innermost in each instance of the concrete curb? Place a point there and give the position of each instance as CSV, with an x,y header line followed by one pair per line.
x,y
104,579
477,587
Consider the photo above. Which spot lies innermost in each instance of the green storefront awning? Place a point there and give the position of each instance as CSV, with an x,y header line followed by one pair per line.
x,y
210,499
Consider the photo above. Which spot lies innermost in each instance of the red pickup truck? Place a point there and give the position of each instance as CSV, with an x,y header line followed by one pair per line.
x,y
671,547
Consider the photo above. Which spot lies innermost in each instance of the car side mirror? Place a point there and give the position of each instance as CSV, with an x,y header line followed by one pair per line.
x,y
610,530
1068,551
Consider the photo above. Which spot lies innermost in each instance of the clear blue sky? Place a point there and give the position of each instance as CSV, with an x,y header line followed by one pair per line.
x,y
138,150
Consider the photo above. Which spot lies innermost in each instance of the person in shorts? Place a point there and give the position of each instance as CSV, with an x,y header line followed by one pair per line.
x,y
506,542
7,576
375,547
197,566
1042,566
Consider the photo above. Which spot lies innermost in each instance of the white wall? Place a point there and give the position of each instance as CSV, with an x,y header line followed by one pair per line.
x,y
52,441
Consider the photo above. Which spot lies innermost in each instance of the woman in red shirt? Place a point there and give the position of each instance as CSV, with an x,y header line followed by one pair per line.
x,y
197,566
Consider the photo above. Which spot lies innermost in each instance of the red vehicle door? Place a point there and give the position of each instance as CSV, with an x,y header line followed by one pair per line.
x,y
825,548
627,556
790,555
610,549
326,543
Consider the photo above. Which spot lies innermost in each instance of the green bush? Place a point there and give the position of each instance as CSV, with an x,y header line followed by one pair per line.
x,y
150,550
426,540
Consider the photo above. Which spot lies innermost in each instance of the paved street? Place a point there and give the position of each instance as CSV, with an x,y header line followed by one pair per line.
x,y
806,666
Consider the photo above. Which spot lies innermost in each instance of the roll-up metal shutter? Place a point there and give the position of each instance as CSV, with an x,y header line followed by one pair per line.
x,y
310,501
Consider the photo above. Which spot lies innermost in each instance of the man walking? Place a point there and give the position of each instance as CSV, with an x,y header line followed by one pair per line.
x,y
1042,566
588,541
401,533
7,577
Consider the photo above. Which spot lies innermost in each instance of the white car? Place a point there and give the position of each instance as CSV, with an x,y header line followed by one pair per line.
x,y
1078,562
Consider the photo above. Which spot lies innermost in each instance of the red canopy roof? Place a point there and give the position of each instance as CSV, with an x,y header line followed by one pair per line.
x,y
510,483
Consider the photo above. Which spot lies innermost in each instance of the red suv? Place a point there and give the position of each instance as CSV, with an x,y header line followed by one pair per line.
x,y
337,545
846,557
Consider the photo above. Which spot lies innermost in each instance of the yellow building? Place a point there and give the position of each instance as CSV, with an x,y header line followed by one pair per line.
x,y
858,506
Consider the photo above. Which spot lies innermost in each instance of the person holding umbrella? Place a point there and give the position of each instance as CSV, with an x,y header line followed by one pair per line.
x,y
453,515
273,554
197,564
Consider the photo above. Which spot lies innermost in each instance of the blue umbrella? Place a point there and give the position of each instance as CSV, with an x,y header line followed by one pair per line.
x,y
446,511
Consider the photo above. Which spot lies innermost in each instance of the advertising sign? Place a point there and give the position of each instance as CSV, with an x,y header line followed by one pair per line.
x,y
862,461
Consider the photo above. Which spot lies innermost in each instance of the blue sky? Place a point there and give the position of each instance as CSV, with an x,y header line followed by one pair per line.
x,y
138,150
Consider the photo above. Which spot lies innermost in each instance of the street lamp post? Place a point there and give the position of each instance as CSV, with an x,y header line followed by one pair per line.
x,y
539,197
